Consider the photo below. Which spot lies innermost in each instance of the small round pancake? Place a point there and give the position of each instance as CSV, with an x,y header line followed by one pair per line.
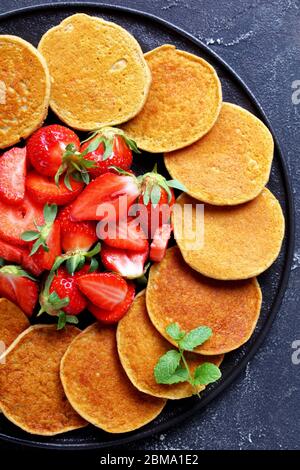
x,y
239,241
32,396
231,164
97,386
140,346
177,293
98,71
24,90
183,103
12,322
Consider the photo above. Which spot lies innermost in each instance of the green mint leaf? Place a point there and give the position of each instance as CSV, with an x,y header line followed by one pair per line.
x,y
174,331
30,235
180,375
72,319
195,338
177,185
206,373
166,366
155,195
50,213
94,265
62,319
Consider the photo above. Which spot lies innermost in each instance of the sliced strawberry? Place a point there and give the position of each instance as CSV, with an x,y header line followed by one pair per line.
x,y
76,236
14,220
43,189
105,290
160,242
12,175
29,264
17,286
46,148
127,263
113,316
126,235
10,252
109,196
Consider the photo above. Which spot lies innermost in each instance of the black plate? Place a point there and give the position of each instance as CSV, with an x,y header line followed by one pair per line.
x,y
30,24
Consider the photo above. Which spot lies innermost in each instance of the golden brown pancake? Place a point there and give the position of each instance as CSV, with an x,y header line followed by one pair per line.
x,y
239,241
231,164
24,89
140,346
99,75
32,396
12,322
97,386
183,103
178,294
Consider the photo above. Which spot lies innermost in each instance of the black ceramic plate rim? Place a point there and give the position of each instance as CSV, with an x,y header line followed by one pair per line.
x,y
290,236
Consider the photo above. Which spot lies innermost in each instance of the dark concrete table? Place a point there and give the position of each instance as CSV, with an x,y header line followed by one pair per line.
x,y
260,39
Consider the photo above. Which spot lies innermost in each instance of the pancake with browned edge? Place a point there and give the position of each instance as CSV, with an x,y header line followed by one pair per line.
x,y
24,90
98,71
140,346
32,396
183,103
12,322
231,164
97,386
239,242
177,293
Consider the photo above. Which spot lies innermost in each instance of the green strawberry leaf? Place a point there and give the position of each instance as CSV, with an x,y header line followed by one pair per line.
x,y
155,195
195,338
72,319
94,265
50,213
62,320
131,144
177,185
166,366
30,235
206,373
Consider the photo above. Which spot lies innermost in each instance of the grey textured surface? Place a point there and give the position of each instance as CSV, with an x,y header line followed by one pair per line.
x,y
261,41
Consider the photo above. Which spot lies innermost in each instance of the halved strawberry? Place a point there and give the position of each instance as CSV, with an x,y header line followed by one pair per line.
x,y
12,175
14,220
105,290
17,286
109,196
76,236
160,242
126,235
43,189
127,263
10,252
113,316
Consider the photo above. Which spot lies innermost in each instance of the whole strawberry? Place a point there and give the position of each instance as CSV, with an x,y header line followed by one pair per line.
x,y
112,148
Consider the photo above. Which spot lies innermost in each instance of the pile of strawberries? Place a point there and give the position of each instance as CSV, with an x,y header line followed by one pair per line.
x,y
59,200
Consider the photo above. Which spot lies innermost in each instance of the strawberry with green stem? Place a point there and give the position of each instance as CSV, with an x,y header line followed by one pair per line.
x,y
111,146
173,367
45,240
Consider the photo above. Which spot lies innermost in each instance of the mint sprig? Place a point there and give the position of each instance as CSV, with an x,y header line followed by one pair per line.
x,y
173,368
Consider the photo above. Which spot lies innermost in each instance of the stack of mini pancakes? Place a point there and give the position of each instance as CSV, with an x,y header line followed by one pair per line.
x,y
169,102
